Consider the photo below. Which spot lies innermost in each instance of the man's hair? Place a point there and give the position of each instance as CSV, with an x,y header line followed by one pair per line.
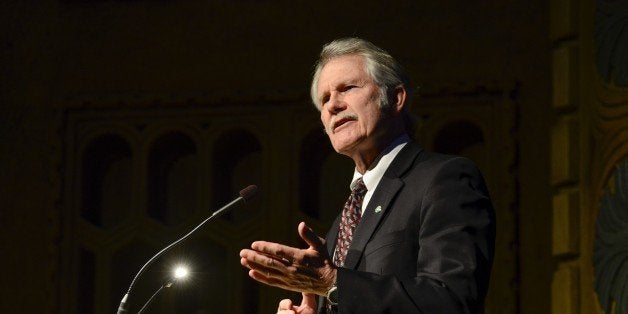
x,y
387,73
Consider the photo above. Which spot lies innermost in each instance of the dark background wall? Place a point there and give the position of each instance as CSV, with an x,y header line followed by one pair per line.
x,y
66,62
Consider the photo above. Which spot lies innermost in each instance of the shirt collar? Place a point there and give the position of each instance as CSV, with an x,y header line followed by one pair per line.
x,y
374,174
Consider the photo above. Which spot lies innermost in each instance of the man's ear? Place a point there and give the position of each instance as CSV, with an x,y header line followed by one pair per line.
x,y
399,98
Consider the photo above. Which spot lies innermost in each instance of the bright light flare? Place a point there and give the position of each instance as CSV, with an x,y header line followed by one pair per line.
x,y
181,272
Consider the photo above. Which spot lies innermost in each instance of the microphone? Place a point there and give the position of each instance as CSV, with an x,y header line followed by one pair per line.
x,y
245,195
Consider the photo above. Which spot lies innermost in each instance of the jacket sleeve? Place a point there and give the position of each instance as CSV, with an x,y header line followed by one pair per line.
x,y
456,234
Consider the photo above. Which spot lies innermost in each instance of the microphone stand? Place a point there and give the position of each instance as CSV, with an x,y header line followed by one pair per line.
x,y
150,300
245,195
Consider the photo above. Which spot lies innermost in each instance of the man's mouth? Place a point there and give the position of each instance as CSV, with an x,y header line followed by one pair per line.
x,y
341,121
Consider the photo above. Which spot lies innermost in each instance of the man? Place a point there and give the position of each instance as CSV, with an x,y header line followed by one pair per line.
x,y
417,233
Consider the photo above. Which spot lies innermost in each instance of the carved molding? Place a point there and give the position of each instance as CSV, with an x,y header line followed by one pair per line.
x,y
610,131
55,216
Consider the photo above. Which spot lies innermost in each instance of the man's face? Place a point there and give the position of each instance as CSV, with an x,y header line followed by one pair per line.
x,y
349,100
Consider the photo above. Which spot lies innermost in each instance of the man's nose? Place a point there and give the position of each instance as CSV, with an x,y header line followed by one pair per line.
x,y
336,104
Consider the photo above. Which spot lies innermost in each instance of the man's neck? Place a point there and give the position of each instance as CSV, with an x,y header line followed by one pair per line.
x,y
367,158
364,161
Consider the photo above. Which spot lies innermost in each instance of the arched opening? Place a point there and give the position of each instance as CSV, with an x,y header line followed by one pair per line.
x,y
237,163
323,177
457,137
106,181
172,178
463,138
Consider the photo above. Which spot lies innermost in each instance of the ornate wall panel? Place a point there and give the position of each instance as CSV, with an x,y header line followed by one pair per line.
x,y
611,41
610,150
610,257
137,179
609,179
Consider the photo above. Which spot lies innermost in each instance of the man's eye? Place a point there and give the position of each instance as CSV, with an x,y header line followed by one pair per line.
x,y
325,100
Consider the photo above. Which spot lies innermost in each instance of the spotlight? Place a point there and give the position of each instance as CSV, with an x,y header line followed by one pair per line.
x,y
180,272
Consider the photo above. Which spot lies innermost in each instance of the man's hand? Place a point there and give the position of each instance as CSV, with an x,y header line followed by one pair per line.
x,y
308,305
304,270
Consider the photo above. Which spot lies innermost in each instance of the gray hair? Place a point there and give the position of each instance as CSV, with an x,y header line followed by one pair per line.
x,y
380,65
387,73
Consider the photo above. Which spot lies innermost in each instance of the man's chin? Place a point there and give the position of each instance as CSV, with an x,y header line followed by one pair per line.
x,y
345,146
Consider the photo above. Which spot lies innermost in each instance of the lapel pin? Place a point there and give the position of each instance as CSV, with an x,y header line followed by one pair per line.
x,y
378,208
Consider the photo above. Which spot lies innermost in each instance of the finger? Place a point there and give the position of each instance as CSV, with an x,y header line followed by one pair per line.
x,y
265,260
312,239
250,265
256,255
262,272
278,258
275,282
309,300
278,251
264,275
266,278
285,304
289,278
272,276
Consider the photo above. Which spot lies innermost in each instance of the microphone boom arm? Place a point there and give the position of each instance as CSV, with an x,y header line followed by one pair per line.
x,y
245,195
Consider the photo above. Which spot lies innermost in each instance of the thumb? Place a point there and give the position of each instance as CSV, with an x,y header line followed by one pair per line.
x,y
309,300
314,241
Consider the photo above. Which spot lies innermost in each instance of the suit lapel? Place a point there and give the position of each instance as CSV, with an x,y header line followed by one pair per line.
x,y
379,204
381,199
332,235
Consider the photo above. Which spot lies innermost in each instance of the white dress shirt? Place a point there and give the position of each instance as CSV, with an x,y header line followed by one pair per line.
x,y
374,174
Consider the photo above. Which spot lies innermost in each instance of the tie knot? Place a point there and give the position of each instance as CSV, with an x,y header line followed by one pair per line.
x,y
358,188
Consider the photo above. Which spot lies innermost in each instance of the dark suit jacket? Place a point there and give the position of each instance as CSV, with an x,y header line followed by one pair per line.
x,y
430,247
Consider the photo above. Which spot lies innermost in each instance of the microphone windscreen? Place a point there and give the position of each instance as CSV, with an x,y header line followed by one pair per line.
x,y
248,192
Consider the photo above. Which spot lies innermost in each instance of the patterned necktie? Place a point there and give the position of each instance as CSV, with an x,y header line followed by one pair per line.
x,y
350,218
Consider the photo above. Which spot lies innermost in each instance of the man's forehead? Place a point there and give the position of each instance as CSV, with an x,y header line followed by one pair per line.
x,y
342,69
351,60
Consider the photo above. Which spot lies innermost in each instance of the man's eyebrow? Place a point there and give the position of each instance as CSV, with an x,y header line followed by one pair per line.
x,y
350,81
355,81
